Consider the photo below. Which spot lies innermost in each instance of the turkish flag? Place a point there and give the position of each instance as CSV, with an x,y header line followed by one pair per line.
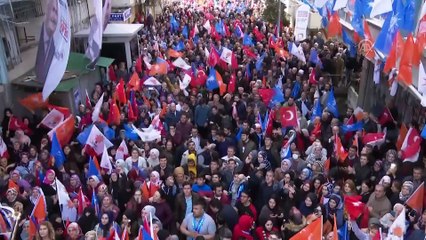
x,y
395,52
374,139
134,82
334,27
232,83
64,131
341,154
266,95
312,232
410,148
416,199
289,117
138,65
385,117
114,114
354,206
213,57
131,115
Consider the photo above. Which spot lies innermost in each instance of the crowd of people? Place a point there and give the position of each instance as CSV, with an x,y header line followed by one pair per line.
x,y
223,166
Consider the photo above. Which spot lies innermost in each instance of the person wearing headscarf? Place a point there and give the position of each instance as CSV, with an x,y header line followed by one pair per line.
x,y
326,191
271,211
406,190
49,183
148,212
105,226
109,206
74,232
74,185
25,234
121,165
88,220
243,228
334,207
308,206
150,187
264,164
154,158
387,220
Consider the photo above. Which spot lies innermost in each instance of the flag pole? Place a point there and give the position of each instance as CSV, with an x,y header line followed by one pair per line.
x,y
151,228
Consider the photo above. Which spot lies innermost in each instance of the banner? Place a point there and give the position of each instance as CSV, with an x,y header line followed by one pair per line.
x,y
98,23
302,20
54,46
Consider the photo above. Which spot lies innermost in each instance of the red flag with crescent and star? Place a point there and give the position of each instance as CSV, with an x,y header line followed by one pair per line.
x,y
289,117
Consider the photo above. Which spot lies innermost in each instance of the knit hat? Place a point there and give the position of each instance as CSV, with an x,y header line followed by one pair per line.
x,y
408,184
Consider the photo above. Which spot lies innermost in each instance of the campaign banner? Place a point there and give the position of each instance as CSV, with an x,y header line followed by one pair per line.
x,y
98,23
54,46
302,20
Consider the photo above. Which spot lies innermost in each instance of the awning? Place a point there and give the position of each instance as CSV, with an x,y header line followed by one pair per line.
x,y
77,62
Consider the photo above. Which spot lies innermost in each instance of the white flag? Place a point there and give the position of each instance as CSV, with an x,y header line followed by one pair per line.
x,y
105,162
226,55
122,150
180,63
298,52
3,147
52,119
422,78
305,109
207,26
398,227
340,4
152,81
185,82
206,52
380,6
320,3
97,140
148,134
94,43
97,109
68,211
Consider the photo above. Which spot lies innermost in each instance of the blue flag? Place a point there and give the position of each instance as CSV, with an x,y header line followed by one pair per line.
x,y
185,32
353,127
259,63
145,234
56,152
342,232
331,104
349,43
109,132
180,46
386,36
238,32
423,133
130,134
95,203
313,57
248,71
93,170
174,25
196,39
238,135
219,28
296,89
265,121
211,82
407,16
316,110
84,135
278,97
357,19
247,41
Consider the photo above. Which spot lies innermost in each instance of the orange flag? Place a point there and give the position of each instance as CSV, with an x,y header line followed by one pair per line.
x,y
64,131
416,199
401,137
370,54
173,53
37,216
335,235
222,86
355,143
395,52
134,82
312,232
33,102
341,154
405,66
158,68
114,114
121,94
281,52
334,26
